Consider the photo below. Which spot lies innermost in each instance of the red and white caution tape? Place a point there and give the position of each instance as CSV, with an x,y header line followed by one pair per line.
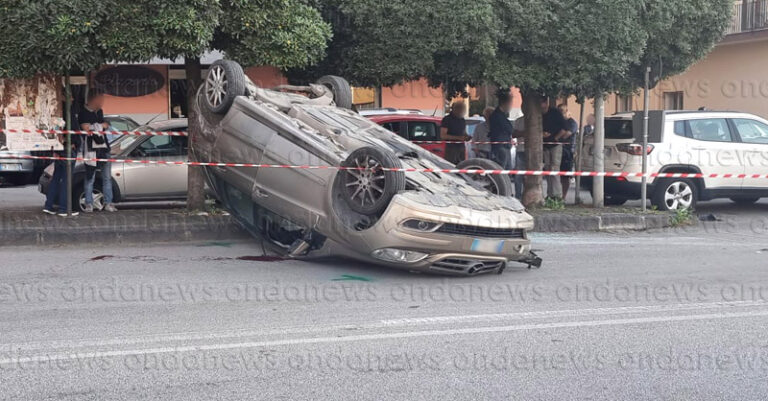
x,y
80,132
405,170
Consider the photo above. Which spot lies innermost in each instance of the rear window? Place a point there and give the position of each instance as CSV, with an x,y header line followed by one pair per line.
x,y
618,129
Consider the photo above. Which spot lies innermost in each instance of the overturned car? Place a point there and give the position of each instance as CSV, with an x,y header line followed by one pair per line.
x,y
360,204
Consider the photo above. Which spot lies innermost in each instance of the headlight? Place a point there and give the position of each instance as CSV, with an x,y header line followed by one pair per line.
x,y
421,225
398,255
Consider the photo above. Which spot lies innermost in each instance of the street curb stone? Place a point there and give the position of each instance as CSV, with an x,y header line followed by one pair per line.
x,y
156,226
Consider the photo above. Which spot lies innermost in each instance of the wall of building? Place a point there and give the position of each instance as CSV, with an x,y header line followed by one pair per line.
x,y
414,95
143,108
732,77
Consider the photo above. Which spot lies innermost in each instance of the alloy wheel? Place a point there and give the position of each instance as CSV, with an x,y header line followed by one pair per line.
x,y
678,195
365,185
216,86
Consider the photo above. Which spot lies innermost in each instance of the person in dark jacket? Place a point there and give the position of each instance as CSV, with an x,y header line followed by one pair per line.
x,y
454,128
502,131
96,145
567,161
57,189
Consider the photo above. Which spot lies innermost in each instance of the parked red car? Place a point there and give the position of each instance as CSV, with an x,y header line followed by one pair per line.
x,y
414,127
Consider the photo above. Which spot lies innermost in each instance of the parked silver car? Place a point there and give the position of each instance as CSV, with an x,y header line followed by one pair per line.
x,y
422,221
137,182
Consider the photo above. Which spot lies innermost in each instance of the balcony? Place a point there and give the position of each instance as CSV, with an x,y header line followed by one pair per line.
x,y
749,16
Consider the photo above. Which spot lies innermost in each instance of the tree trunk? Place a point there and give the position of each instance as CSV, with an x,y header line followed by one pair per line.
x,y
534,142
598,194
195,179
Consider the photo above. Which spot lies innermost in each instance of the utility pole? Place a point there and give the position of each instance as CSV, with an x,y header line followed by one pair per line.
x,y
598,194
646,106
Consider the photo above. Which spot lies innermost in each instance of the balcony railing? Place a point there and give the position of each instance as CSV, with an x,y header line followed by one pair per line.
x,y
749,16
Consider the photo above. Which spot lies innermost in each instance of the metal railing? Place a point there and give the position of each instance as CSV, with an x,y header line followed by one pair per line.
x,y
749,16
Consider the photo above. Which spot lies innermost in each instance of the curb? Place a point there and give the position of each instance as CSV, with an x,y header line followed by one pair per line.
x,y
134,227
154,226
564,223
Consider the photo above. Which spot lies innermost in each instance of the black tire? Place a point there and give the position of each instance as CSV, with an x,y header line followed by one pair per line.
x,y
358,187
615,201
225,81
747,200
342,92
668,188
496,184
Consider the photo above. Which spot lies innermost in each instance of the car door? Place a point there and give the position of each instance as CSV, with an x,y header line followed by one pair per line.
x,y
713,147
754,138
157,180
425,131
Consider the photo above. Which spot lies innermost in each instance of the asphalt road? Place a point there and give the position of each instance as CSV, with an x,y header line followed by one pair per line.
x,y
672,315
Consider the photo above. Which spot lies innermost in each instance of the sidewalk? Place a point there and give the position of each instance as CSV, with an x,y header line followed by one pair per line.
x,y
32,227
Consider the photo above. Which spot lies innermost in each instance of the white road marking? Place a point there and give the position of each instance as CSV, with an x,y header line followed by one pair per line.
x,y
382,336
389,323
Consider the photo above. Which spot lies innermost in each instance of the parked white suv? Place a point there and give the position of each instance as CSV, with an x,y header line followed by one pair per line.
x,y
723,146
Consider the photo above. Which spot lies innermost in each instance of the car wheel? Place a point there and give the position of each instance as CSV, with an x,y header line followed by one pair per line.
x,y
369,190
745,200
496,184
225,81
342,92
78,198
675,194
615,201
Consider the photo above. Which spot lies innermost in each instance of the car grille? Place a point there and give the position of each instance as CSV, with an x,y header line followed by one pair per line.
x,y
481,232
468,266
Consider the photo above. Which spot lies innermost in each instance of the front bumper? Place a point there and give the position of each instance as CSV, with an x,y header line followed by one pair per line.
x,y
447,252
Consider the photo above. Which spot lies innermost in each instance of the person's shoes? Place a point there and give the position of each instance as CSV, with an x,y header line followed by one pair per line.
x,y
49,211
64,214
110,208
88,209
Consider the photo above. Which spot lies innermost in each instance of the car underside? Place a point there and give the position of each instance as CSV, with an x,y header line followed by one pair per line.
x,y
352,197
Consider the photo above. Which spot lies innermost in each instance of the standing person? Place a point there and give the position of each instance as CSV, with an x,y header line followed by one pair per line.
x,y
555,128
454,128
92,119
57,188
566,164
480,146
502,131
521,160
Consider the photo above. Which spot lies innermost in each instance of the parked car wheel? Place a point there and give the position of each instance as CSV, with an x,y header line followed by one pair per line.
x,y
225,82
78,198
342,92
675,194
496,184
745,200
369,191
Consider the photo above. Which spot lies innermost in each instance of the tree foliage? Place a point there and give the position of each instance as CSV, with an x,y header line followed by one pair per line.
x,y
386,42
79,35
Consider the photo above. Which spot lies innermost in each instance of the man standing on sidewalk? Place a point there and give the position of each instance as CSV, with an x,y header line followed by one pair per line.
x,y
567,140
502,132
57,189
454,129
96,145
555,128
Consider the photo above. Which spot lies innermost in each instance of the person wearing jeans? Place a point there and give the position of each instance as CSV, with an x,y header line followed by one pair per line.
x,y
555,129
91,118
105,171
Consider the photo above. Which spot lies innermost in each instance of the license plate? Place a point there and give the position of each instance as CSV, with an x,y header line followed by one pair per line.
x,y
487,246
10,167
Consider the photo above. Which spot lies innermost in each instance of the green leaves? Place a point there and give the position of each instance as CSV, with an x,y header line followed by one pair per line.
x,y
79,35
